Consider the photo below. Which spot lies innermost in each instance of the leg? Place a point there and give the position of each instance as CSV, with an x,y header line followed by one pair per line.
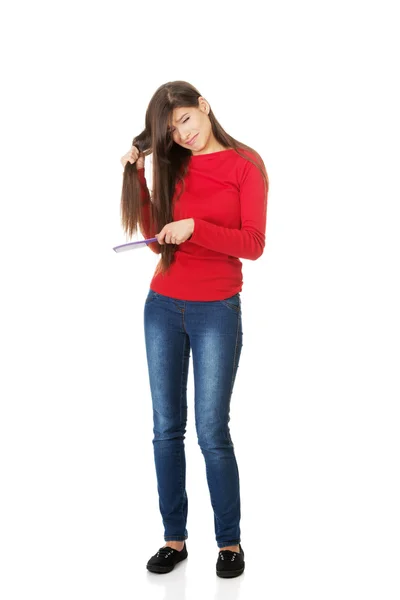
x,y
168,352
215,331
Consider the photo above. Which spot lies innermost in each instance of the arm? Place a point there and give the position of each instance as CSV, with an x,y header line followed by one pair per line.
x,y
248,241
146,231
143,187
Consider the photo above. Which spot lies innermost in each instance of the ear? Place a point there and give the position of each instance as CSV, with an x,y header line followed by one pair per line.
x,y
203,105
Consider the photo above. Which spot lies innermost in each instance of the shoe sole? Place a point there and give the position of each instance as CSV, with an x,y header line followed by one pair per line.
x,y
230,573
155,569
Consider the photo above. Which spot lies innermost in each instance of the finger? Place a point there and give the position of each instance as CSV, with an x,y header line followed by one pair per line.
x,y
133,157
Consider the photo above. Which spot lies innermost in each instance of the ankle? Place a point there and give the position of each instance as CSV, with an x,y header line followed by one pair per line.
x,y
175,544
232,548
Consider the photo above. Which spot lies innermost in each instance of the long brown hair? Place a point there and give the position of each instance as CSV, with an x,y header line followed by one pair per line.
x,y
170,163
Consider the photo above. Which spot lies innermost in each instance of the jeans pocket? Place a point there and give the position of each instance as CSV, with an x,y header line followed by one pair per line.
x,y
233,303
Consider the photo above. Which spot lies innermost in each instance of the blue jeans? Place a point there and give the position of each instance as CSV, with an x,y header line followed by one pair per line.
x,y
213,329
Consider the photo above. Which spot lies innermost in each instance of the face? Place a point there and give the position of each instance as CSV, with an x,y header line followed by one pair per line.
x,y
190,121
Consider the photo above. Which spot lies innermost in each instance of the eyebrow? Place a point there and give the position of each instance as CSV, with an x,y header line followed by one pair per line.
x,y
180,119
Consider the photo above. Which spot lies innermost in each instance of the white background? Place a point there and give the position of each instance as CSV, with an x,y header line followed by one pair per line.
x,y
312,86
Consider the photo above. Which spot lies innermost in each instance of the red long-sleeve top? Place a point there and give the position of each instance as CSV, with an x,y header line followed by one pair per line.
x,y
225,195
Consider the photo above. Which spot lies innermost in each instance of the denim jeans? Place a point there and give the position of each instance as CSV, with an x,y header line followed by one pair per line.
x,y
213,329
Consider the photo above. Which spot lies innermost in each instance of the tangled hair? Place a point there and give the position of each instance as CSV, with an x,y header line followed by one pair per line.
x,y
170,164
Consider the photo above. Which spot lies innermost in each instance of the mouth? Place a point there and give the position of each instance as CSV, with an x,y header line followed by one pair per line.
x,y
190,142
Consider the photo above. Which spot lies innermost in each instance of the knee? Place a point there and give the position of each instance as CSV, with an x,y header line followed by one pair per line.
x,y
213,437
167,428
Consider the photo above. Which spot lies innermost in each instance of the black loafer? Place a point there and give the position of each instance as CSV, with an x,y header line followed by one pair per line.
x,y
230,564
166,558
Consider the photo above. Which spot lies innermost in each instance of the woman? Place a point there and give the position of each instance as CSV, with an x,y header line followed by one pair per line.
x,y
208,205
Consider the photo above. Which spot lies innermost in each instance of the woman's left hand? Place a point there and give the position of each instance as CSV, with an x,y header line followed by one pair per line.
x,y
176,232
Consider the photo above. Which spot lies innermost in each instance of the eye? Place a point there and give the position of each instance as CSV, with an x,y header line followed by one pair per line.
x,y
172,130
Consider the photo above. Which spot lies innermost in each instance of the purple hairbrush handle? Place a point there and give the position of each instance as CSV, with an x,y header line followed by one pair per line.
x,y
134,245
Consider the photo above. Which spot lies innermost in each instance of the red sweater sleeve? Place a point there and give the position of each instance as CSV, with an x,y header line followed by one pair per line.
x,y
146,230
248,241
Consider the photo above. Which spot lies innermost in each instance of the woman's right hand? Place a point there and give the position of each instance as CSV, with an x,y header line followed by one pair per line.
x,y
133,156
